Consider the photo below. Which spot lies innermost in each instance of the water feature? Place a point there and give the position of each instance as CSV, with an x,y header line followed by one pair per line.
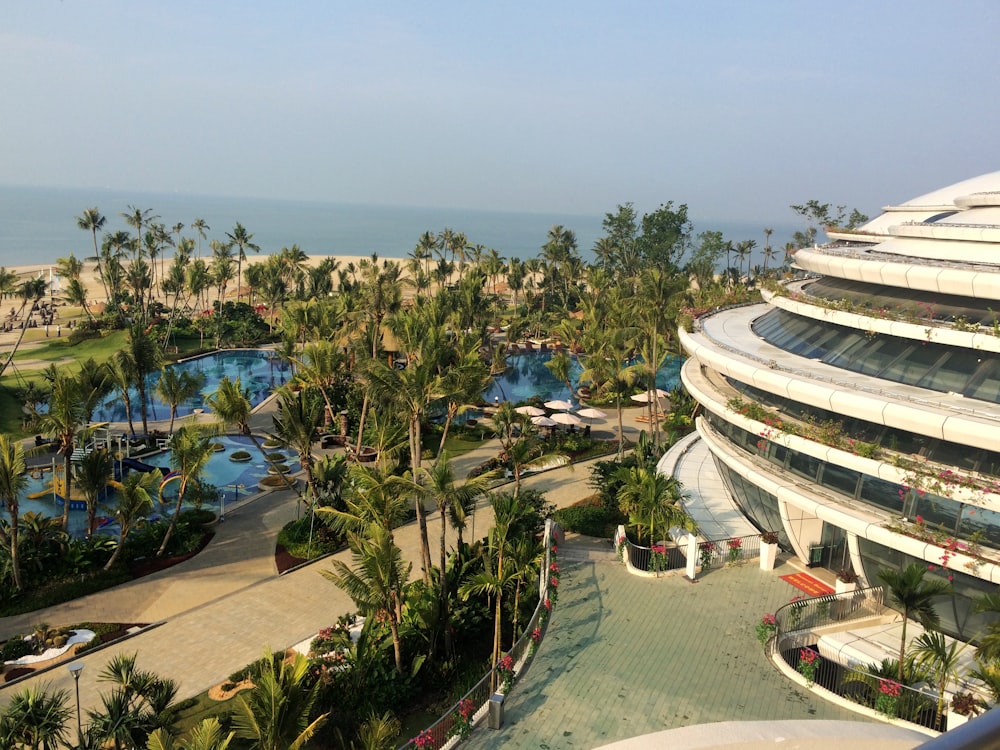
x,y
527,377
259,371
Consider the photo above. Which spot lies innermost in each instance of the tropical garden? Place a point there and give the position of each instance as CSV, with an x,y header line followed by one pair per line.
x,y
387,356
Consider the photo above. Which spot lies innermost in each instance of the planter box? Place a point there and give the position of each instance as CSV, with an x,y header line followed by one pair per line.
x,y
768,554
956,720
845,588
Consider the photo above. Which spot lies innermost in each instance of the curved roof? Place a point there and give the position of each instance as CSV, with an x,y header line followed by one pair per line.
x,y
928,205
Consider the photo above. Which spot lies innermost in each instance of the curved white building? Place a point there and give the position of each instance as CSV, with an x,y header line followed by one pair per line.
x,y
858,411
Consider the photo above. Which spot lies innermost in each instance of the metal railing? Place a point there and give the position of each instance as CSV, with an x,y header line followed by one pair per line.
x,y
442,734
717,553
796,643
658,558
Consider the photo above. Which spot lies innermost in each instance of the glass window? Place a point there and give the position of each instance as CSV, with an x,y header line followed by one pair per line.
x,y
840,479
881,493
913,365
954,372
880,355
803,465
985,386
937,512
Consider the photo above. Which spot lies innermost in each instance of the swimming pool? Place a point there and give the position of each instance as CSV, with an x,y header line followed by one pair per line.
x,y
235,480
260,371
527,377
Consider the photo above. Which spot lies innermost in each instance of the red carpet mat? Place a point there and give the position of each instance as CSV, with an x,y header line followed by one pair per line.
x,y
805,582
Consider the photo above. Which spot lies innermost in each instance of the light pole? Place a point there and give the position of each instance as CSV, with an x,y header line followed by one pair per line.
x,y
75,669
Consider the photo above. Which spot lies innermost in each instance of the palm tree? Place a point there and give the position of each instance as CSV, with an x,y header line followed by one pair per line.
x,y
95,383
371,497
13,481
207,734
92,475
144,357
914,597
30,291
440,488
524,558
61,422
190,451
498,575
932,651
120,375
200,226
989,642
242,240
652,500
134,502
376,585
274,714
295,426
92,221
175,389
36,720
140,703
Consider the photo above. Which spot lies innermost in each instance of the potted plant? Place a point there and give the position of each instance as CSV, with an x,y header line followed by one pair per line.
x,y
768,549
847,580
964,706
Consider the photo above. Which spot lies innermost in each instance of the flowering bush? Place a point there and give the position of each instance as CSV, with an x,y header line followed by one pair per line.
x,y
658,558
887,699
461,717
735,547
536,636
705,551
505,672
424,740
808,664
767,627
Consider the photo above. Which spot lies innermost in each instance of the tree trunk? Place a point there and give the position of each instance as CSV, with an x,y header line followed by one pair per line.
x,y
67,476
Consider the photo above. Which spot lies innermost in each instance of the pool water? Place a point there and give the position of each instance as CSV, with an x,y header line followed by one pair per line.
x,y
527,377
259,371
235,480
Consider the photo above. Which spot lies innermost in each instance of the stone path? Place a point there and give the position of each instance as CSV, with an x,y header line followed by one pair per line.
x,y
626,656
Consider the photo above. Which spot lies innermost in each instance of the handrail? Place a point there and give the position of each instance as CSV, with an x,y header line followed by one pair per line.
x,y
445,733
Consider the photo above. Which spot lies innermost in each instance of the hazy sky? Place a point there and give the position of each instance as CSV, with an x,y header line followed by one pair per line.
x,y
736,108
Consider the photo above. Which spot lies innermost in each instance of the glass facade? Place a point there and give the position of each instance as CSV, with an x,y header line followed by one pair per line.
x,y
956,611
948,369
953,517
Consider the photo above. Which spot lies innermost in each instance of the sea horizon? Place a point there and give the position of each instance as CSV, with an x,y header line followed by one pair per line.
x,y
38,224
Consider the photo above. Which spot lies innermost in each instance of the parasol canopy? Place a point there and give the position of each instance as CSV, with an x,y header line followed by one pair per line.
x,y
559,405
591,413
650,395
566,418
530,411
543,422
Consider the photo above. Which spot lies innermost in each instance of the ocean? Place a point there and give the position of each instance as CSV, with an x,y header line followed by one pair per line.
x,y
38,225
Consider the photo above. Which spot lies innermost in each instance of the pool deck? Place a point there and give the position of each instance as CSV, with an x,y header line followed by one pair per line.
x,y
624,655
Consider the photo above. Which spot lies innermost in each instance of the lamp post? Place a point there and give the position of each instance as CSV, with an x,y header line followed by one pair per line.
x,y
75,669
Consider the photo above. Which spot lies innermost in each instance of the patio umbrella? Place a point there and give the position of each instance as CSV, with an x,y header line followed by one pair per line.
x,y
530,411
543,422
591,413
566,418
650,395
559,405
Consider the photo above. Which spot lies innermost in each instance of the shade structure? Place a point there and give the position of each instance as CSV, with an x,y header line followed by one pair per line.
x,y
530,411
591,413
650,395
559,405
566,418
543,422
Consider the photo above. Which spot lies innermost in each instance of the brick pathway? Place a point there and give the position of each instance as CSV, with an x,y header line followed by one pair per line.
x,y
626,656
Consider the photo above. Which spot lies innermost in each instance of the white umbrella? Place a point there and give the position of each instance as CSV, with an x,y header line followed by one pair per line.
x,y
566,418
591,413
559,405
530,411
543,422
650,395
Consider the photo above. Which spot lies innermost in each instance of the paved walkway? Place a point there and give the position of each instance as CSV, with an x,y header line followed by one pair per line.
x,y
626,656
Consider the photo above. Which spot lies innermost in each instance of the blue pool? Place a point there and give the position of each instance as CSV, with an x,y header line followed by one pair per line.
x,y
235,480
259,371
527,377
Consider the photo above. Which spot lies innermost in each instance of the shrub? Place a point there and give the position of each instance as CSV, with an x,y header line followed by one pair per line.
x,y
590,520
15,648
240,456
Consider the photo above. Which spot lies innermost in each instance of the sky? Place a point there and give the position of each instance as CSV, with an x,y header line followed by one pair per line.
x,y
738,109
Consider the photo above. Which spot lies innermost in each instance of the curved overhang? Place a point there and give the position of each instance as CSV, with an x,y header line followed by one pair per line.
x,y
939,415
859,265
